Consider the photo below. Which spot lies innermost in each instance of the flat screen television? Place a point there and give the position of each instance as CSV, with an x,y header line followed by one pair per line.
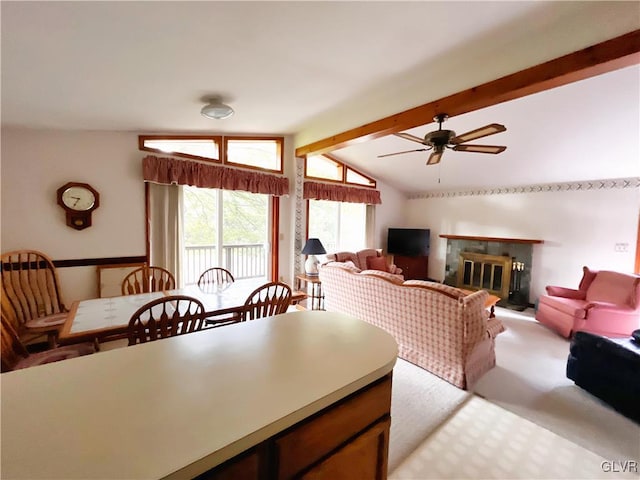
x,y
410,242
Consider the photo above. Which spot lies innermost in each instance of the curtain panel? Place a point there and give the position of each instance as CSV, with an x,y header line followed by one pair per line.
x,y
169,171
340,193
165,235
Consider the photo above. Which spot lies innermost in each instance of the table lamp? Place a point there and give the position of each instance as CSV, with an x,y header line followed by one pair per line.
x,y
312,248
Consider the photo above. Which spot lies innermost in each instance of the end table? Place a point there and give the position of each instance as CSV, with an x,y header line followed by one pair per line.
x,y
317,298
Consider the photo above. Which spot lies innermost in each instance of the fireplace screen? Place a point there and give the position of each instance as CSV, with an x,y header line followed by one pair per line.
x,y
478,271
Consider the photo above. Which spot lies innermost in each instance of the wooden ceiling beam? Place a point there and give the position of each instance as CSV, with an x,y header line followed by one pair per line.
x,y
619,52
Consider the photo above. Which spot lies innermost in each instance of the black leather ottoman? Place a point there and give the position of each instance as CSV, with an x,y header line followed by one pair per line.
x,y
608,368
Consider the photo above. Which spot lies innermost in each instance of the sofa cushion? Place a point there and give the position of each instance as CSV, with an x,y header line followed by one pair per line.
x,y
377,263
398,279
612,287
362,256
348,265
570,306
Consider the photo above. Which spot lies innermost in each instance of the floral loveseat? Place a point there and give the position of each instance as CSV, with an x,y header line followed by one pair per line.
x,y
437,327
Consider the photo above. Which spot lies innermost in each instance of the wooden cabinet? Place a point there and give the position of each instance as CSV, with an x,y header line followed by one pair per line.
x,y
413,268
349,439
363,457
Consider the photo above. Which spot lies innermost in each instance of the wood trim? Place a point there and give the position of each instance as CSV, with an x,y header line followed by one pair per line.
x,y
275,237
604,57
490,239
306,230
279,141
87,262
147,221
216,138
637,269
344,167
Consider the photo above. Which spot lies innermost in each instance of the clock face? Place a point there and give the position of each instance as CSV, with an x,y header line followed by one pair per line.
x,y
78,198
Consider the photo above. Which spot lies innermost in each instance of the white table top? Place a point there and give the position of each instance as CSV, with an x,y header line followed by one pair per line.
x,y
101,317
99,313
179,406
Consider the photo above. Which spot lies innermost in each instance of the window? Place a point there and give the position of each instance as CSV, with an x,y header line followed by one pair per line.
x,y
328,168
340,226
200,148
319,166
262,153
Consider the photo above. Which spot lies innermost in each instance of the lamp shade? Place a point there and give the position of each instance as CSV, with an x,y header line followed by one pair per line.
x,y
313,247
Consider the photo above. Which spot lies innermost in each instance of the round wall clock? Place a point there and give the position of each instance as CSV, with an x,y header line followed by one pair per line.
x,y
78,201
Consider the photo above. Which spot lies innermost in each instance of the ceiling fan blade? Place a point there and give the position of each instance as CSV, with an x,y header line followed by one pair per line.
x,y
479,133
480,148
434,158
406,151
408,136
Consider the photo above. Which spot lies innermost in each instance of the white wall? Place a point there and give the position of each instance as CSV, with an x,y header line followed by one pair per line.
x,y
35,163
578,228
390,214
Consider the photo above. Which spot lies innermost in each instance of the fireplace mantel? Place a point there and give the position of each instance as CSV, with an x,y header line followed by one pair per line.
x,y
490,239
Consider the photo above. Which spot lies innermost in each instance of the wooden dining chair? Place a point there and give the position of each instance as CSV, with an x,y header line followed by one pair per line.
x,y
269,299
15,355
165,317
214,277
213,280
31,289
148,279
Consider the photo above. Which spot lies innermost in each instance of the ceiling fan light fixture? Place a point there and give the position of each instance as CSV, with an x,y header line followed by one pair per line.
x,y
217,110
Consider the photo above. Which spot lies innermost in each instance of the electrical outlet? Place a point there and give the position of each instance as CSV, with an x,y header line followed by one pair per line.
x,y
621,247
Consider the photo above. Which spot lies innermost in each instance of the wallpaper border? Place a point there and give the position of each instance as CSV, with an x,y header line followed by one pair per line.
x,y
631,182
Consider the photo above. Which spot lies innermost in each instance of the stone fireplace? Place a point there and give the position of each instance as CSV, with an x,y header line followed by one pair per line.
x,y
487,272
502,266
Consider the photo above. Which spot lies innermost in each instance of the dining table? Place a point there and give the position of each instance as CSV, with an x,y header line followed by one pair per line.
x,y
104,319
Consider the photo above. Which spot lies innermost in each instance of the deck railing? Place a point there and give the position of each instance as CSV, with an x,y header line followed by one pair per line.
x,y
243,261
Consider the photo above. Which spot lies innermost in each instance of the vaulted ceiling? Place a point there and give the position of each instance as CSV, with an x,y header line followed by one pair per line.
x,y
314,69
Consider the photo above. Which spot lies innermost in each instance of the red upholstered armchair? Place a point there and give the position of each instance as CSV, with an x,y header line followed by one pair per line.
x,y
605,303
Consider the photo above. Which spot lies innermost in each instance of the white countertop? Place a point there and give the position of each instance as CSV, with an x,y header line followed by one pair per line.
x,y
181,405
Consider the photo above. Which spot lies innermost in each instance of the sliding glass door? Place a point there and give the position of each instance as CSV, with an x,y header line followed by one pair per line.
x,y
223,228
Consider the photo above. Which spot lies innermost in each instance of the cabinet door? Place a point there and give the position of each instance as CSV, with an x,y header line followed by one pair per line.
x,y
365,457
313,440
243,467
413,268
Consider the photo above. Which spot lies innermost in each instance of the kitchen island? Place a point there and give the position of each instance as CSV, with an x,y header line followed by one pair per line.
x,y
305,393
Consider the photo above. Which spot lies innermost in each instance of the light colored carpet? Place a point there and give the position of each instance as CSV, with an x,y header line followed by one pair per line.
x,y
530,380
485,441
420,402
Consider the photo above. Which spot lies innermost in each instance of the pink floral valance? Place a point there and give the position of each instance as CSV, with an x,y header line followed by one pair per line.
x,y
185,172
340,193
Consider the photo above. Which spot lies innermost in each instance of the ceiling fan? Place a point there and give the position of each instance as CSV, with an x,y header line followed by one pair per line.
x,y
440,139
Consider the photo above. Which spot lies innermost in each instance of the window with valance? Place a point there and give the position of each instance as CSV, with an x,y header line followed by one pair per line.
x,y
222,168
340,204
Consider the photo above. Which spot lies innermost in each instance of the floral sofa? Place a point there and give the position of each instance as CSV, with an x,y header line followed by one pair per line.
x,y
437,327
367,259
